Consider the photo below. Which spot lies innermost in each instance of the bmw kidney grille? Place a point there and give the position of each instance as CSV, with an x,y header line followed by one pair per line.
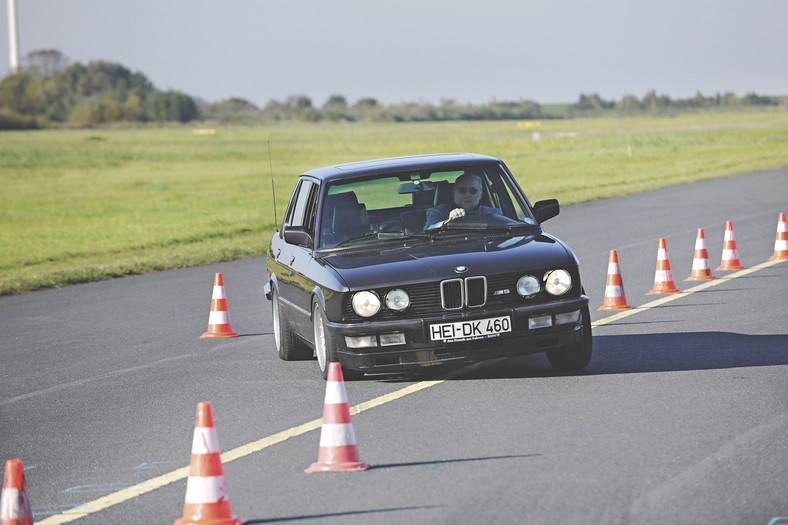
x,y
456,293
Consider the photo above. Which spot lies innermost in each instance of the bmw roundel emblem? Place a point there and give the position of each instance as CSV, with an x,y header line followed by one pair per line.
x,y
460,269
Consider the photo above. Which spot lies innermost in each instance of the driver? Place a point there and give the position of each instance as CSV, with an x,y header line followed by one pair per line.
x,y
467,197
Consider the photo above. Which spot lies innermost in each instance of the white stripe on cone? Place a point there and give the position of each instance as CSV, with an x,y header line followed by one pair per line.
x,y
335,393
205,441
612,268
781,245
218,293
9,505
730,254
614,291
700,264
337,435
206,489
219,317
662,255
661,276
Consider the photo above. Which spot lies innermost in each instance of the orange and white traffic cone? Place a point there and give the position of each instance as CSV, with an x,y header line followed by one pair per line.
x,y
701,271
663,277
14,502
781,242
219,318
730,255
338,452
615,299
207,501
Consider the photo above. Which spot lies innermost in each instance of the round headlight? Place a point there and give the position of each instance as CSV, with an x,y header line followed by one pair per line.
x,y
397,300
366,304
528,285
557,282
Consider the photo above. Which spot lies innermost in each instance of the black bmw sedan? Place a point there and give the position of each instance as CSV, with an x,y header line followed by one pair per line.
x,y
395,264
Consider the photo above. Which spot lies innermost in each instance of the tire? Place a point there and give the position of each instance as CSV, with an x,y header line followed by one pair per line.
x,y
575,357
325,345
287,344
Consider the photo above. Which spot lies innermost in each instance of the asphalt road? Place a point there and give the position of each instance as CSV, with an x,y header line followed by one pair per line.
x,y
681,417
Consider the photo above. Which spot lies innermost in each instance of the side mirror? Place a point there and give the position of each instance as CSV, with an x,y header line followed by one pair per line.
x,y
299,236
546,209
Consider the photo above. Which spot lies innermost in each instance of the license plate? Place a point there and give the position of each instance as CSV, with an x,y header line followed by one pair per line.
x,y
471,330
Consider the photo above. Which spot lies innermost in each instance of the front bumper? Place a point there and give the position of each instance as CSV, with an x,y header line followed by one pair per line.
x,y
419,350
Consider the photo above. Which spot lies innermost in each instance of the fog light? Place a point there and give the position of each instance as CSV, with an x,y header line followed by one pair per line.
x,y
362,341
392,339
543,321
568,317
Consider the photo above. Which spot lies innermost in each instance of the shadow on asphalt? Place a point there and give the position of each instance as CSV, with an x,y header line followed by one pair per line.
x,y
646,353
633,354
439,463
338,514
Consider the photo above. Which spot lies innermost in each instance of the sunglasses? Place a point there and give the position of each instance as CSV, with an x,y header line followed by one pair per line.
x,y
462,190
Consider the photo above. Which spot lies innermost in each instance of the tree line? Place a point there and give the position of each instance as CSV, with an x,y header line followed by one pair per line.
x,y
50,90
653,102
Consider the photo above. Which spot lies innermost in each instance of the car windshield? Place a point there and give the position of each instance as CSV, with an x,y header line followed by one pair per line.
x,y
421,203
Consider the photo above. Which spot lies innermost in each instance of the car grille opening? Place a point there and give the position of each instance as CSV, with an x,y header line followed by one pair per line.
x,y
452,294
456,293
475,291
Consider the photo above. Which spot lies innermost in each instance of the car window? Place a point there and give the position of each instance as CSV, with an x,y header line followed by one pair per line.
x,y
302,210
409,202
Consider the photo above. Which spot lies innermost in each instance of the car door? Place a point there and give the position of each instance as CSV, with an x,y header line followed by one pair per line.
x,y
294,259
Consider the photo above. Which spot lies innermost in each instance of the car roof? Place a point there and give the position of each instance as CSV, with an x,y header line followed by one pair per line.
x,y
398,163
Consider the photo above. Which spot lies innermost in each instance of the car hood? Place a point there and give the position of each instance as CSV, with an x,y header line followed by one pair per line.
x,y
430,262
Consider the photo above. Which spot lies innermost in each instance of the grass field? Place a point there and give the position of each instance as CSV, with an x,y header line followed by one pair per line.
x,y
86,205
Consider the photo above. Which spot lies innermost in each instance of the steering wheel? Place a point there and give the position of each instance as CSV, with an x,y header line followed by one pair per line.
x,y
479,217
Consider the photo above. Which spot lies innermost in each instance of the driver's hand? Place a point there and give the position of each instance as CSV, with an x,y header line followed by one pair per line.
x,y
456,213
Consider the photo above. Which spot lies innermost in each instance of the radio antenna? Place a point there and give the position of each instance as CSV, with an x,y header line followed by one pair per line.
x,y
273,191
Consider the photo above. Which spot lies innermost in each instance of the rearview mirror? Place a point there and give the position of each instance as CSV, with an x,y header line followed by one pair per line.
x,y
299,236
546,209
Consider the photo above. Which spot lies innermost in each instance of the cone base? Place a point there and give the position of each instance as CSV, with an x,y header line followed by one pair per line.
x,y
779,257
232,520
730,268
614,307
704,278
352,466
215,335
663,292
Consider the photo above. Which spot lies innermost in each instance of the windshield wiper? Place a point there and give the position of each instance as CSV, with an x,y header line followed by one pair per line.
x,y
452,226
481,226
368,235
382,236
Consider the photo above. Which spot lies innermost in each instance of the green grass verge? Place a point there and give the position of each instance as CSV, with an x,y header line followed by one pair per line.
x,y
81,206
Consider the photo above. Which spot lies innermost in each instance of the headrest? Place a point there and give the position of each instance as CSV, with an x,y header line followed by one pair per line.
x,y
342,199
350,219
444,194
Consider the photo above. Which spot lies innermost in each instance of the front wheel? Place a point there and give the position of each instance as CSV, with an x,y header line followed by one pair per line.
x,y
287,344
575,357
325,345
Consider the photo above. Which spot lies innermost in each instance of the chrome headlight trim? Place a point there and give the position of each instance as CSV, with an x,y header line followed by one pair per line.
x,y
528,286
366,303
397,300
557,282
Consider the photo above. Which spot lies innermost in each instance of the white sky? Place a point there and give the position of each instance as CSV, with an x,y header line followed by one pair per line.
x,y
422,50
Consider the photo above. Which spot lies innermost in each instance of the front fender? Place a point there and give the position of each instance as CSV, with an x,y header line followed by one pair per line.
x,y
317,295
269,286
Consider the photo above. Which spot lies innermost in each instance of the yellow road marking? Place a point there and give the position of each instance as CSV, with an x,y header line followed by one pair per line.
x,y
668,298
244,450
